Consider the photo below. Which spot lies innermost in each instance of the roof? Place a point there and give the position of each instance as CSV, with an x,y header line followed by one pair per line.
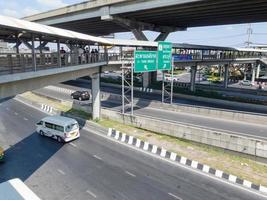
x,y
15,189
59,120
10,26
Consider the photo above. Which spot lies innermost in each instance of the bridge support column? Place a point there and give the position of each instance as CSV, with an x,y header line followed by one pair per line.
x,y
96,101
193,78
253,72
258,71
226,76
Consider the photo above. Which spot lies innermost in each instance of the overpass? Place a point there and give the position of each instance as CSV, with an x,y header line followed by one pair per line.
x,y
102,17
22,72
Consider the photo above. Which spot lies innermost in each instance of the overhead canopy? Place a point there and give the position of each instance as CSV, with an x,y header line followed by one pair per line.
x,y
10,27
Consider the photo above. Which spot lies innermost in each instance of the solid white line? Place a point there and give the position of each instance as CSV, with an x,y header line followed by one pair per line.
x,y
174,196
129,173
72,144
97,157
178,164
61,172
91,193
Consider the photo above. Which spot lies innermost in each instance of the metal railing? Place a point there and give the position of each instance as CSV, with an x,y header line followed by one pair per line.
x,y
11,63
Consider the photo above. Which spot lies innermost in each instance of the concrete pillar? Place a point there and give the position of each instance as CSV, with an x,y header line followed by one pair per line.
x,y
193,78
58,54
253,72
226,76
33,54
96,101
258,71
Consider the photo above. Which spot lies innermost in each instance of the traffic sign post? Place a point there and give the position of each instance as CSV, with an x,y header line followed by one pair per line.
x,y
164,56
145,61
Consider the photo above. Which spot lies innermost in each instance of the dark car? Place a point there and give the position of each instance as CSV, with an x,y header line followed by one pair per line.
x,y
80,95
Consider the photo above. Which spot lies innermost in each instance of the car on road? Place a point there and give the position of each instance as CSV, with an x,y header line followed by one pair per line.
x,y
63,129
80,95
168,78
1,154
246,83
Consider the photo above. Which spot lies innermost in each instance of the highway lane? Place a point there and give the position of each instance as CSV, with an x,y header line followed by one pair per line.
x,y
150,96
93,167
230,126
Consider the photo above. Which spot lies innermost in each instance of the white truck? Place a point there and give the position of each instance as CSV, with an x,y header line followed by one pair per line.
x,y
15,189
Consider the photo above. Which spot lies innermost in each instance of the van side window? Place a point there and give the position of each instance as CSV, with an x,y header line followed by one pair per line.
x,y
49,125
59,128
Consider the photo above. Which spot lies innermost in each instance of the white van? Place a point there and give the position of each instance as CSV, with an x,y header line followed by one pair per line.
x,y
63,129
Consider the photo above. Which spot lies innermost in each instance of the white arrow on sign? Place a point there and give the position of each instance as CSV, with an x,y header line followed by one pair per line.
x,y
145,66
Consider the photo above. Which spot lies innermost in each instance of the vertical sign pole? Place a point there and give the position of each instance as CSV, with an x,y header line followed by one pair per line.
x,y
172,80
132,87
122,87
163,89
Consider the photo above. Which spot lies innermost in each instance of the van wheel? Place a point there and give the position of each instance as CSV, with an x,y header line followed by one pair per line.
x,y
59,139
41,133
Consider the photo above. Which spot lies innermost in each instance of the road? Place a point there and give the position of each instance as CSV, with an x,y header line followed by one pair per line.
x,y
230,126
94,167
150,96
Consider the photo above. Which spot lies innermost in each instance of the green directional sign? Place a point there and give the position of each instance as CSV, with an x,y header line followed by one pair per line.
x,y
164,56
145,61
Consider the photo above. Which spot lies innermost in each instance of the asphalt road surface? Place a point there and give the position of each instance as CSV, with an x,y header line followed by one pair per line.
x,y
94,167
230,126
150,96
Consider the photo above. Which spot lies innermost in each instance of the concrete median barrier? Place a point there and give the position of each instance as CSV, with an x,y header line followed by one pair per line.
x,y
233,142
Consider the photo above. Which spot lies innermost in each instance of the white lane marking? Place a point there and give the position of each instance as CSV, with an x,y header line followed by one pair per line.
x,y
61,172
97,157
177,164
129,173
174,196
72,144
91,193
15,113
25,118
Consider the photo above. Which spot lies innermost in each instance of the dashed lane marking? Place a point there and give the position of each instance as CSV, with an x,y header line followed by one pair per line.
x,y
25,118
129,173
72,144
91,193
174,196
61,172
97,157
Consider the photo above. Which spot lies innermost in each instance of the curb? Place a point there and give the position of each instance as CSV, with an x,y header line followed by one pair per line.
x,y
122,137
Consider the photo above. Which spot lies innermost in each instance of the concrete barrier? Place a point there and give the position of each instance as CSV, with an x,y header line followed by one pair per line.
x,y
206,111
223,140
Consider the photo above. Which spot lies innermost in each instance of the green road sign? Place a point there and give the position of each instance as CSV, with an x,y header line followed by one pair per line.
x,y
164,56
145,61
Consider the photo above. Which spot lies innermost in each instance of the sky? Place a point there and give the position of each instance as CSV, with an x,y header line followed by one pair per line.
x,y
228,35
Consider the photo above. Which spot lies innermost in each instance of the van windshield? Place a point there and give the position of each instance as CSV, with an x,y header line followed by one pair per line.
x,y
71,127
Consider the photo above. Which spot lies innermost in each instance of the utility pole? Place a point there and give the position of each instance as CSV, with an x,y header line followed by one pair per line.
x,y
249,33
